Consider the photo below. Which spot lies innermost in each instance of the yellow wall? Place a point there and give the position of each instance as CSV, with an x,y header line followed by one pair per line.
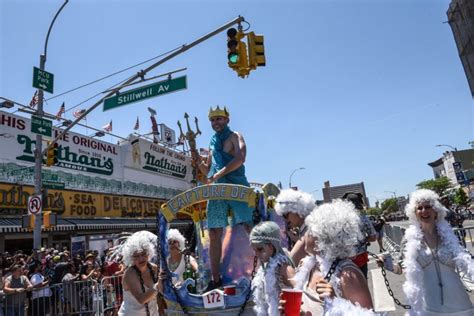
x,y
14,199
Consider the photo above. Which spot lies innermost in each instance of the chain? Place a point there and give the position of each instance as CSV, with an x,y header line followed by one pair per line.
x,y
331,270
142,283
387,284
242,308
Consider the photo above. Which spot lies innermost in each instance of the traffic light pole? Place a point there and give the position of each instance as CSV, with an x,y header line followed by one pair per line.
x,y
39,140
142,73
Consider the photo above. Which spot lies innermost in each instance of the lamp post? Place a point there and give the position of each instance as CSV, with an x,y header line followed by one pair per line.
x,y
39,139
444,145
300,168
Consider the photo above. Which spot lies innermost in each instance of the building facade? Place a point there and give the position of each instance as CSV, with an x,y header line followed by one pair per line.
x,y
461,19
336,192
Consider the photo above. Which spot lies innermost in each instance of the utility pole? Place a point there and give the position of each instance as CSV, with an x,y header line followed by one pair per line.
x,y
39,140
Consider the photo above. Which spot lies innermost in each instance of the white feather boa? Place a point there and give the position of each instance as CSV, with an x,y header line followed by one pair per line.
x,y
266,290
342,307
449,248
303,271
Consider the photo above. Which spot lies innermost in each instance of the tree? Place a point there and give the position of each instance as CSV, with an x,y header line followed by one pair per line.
x,y
440,185
390,205
374,211
460,198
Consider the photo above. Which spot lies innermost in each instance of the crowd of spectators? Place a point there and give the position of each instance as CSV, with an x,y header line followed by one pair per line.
x,y
30,284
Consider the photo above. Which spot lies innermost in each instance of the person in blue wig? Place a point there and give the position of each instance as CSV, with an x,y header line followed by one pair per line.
x,y
224,164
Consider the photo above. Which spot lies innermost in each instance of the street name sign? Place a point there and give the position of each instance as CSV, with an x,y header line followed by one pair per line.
x,y
43,80
41,126
145,92
53,185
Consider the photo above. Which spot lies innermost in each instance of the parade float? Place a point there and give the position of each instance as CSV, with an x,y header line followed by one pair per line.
x,y
238,264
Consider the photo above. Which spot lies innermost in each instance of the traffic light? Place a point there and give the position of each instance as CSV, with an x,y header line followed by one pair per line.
x,y
256,50
47,223
237,52
52,154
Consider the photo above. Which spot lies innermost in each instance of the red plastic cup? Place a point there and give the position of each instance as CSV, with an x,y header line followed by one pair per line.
x,y
293,301
229,289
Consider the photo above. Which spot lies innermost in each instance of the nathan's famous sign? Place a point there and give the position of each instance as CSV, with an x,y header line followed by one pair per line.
x,y
76,152
14,201
158,159
135,167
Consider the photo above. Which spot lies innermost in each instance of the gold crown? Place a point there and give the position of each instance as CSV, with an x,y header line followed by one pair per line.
x,y
218,112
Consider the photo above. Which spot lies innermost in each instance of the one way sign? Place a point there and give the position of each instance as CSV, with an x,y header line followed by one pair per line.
x,y
43,80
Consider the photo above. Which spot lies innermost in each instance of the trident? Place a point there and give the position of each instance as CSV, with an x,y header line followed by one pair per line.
x,y
190,136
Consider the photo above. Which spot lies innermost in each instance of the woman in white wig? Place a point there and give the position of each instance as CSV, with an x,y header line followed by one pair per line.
x,y
274,271
294,206
333,233
139,281
176,259
430,257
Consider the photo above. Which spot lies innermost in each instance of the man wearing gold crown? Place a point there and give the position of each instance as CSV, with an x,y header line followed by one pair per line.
x,y
225,164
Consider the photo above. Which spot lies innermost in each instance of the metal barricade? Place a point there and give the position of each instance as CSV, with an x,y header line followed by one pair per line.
x,y
464,235
62,299
111,295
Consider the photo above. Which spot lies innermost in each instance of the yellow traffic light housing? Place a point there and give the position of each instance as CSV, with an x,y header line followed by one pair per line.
x,y
52,154
256,50
237,52
47,223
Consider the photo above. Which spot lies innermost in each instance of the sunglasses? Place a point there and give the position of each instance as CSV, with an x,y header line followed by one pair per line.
x,y
138,255
426,207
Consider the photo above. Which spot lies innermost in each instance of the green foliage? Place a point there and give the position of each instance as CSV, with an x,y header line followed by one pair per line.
x,y
440,185
390,205
374,211
460,198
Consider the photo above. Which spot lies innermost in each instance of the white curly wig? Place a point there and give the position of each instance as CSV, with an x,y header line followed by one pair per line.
x,y
142,241
292,201
336,227
175,234
424,195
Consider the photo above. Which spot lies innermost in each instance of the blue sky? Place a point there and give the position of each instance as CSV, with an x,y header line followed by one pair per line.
x,y
352,91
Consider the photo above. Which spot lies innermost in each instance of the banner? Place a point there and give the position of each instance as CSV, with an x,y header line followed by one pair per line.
x,y
14,201
205,193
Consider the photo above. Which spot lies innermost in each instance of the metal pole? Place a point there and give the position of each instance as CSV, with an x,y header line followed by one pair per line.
x,y
143,72
39,140
289,182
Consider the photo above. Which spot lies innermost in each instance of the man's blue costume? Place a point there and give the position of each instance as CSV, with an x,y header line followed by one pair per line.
x,y
218,211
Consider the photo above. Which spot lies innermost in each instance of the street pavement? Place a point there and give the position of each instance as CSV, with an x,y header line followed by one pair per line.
x,y
382,301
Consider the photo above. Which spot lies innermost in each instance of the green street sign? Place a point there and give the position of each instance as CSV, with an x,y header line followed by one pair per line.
x,y
43,80
41,126
52,185
145,92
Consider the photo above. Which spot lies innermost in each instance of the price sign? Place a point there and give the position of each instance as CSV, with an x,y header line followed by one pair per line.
x,y
213,299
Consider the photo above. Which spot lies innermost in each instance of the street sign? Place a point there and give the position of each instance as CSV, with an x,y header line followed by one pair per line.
x,y
53,185
41,126
35,204
145,92
43,80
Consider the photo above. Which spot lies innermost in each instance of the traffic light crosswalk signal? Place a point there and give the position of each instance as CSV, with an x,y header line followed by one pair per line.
x,y
256,51
52,154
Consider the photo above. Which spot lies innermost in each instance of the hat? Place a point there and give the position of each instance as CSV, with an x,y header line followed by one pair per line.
x,y
56,258
356,198
55,252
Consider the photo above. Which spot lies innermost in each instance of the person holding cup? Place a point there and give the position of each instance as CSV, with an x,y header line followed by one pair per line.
x,y
431,258
294,206
274,271
332,236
